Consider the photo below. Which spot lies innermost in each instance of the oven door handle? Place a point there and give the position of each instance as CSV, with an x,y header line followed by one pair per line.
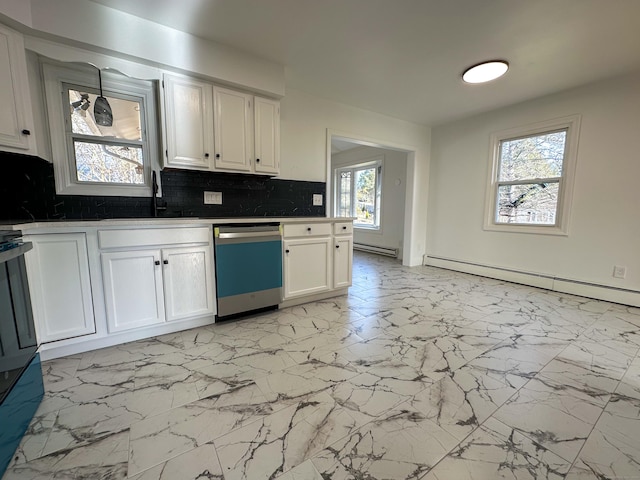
x,y
14,252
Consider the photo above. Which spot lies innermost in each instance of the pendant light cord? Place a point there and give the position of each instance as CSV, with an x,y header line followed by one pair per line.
x,y
100,80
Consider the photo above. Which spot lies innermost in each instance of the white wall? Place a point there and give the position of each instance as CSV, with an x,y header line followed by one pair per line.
x,y
94,26
304,122
394,168
53,29
604,227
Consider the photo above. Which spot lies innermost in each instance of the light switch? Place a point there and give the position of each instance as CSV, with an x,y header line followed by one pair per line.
x,y
317,199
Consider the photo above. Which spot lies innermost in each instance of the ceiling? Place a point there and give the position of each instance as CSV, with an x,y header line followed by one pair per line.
x,y
403,58
340,145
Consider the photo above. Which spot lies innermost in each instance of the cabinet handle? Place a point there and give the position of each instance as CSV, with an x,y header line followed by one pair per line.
x,y
337,246
157,262
217,155
257,160
206,155
344,227
26,132
166,262
286,251
308,229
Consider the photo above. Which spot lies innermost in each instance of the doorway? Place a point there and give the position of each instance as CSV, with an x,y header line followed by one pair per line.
x,y
374,181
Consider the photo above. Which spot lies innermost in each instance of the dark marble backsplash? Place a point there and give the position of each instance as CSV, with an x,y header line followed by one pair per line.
x,y
27,192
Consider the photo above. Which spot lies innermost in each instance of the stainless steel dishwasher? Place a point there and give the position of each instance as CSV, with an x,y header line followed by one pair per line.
x,y
248,261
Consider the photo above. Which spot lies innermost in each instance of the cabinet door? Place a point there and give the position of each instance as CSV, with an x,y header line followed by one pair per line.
x,y
267,135
58,271
307,266
188,282
342,261
189,122
133,289
16,122
233,127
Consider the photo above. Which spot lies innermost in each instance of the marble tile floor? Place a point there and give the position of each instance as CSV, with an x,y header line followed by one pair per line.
x,y
419,373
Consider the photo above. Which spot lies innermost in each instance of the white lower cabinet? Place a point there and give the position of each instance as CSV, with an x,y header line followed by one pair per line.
x,y
318,260
133,289
342,261
58,271
105,285
188,286
306,266
145,287
100,286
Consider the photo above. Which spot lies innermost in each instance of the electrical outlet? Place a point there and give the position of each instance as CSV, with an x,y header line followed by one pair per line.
x,y
317,199
619,271
213,198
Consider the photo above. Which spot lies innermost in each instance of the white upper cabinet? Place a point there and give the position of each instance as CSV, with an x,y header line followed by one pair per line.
x,y
219,129
16,119
267,135
189,122
233,128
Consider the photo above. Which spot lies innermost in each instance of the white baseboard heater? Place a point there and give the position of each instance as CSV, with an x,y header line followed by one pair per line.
x,y
389,252
540,280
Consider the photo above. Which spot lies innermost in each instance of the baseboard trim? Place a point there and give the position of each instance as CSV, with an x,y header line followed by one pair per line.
x,y
87,343
540,280
313,298
386,251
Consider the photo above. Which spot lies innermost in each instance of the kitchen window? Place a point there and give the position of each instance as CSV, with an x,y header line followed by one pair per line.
x,y
94,159
358,193
531,177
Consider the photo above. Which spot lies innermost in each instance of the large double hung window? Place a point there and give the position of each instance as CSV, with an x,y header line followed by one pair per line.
x,y
532,171
358,193
91,158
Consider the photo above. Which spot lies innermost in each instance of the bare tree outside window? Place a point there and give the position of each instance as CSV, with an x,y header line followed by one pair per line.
x,y
106,154
344,201
358,194
529,175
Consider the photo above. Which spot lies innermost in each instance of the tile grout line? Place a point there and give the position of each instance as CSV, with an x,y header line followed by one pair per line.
x,y
603,410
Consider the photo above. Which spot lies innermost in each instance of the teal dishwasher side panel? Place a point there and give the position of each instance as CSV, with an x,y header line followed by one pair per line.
x,y
234,260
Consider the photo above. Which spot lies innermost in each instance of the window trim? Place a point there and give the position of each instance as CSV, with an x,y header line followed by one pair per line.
x,y
378,162
565,181
58,78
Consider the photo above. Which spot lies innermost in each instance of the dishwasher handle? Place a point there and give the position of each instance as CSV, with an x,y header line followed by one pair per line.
x,y
247,234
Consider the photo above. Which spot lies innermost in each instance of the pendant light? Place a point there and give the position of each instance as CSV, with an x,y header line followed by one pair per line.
x,y
101,108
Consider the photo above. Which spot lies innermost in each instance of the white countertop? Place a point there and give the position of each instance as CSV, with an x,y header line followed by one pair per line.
x,y
131,222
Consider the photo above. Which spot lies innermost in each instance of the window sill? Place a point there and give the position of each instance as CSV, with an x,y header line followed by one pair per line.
x,y
533,229
105,190
366,228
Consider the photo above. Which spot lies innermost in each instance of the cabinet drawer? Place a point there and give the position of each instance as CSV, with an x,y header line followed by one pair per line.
x,y
343,228
307,229
152,237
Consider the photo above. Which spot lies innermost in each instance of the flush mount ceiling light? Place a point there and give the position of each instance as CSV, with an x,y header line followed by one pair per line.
x,y
485,71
